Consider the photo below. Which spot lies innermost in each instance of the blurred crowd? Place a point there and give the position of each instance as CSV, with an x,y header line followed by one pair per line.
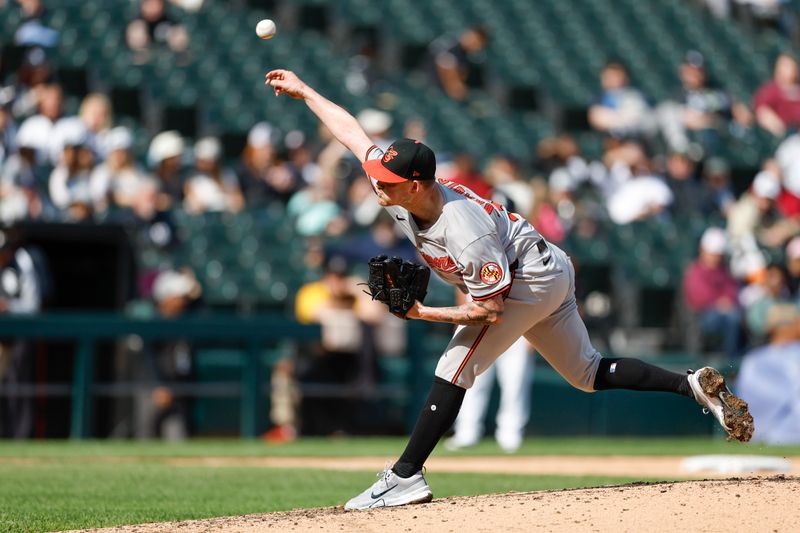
x,y
659,158
660,161
779,15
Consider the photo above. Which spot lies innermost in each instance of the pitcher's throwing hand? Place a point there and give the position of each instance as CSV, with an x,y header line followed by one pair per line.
x,y
286,81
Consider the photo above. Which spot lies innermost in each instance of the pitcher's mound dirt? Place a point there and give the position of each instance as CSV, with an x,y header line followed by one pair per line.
x,y
747,504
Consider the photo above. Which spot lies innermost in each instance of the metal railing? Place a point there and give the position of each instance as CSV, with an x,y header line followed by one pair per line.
x,y
87,329
252,332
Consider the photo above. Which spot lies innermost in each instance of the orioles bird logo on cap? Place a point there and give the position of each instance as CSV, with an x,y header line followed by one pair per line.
x,y
389,155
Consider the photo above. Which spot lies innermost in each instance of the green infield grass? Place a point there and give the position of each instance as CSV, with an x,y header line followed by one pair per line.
x,y
381,446
56,485
48,497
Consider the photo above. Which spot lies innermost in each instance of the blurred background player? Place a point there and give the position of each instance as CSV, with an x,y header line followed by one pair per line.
x,y
24,282
513,371
170,362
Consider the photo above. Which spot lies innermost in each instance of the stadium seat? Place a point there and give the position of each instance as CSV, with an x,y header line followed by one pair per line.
x,y
314,16
126,100
73,80
182,118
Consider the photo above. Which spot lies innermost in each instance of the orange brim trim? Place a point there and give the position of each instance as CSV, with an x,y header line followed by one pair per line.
x,y
376,170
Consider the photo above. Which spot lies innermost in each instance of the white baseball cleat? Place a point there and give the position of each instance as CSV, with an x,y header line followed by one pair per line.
x,y
392,490
710,391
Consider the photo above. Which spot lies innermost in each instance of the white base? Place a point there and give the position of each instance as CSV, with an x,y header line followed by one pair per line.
x,y
735,464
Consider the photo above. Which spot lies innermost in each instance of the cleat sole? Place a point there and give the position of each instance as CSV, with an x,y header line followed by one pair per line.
x,y
735,413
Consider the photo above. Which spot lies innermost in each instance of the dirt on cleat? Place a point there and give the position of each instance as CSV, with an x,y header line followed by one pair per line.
x,y
735,412
737,417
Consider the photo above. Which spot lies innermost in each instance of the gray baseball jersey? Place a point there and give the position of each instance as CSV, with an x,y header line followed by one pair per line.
x,y
485,251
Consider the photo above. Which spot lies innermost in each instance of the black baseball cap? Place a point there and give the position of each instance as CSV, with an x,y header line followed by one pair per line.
x,y
404,160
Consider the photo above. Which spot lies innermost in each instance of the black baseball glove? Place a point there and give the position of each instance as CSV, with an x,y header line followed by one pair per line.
x,y
397,283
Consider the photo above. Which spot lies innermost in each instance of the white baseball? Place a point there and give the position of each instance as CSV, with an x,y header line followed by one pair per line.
x,y
265,29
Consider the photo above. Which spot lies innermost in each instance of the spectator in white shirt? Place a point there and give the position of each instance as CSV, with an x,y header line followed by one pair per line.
x,y
211,187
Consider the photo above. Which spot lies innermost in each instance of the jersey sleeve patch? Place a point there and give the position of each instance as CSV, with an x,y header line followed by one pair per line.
x,y
491,273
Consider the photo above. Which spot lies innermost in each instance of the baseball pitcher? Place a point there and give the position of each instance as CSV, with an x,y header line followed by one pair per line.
x,y
517,284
